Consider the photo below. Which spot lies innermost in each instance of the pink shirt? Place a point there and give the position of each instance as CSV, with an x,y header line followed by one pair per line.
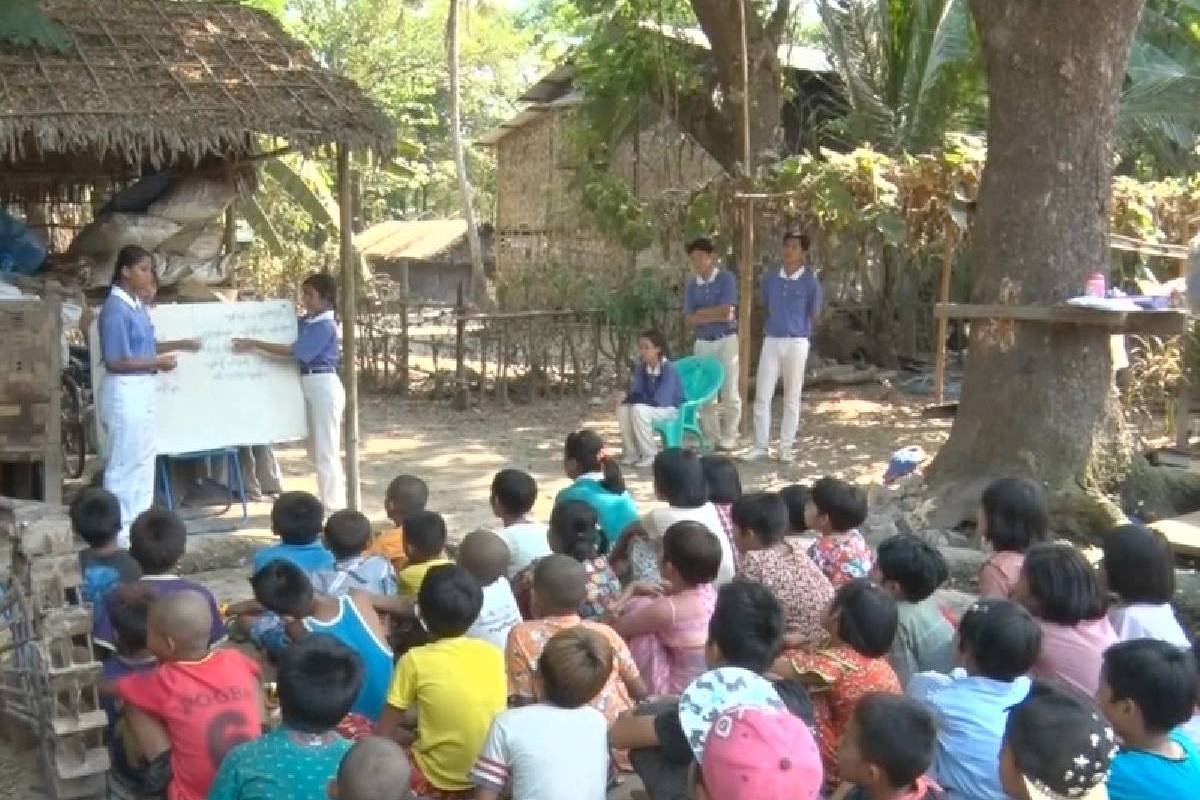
x,y
1073,653
667,636
998,575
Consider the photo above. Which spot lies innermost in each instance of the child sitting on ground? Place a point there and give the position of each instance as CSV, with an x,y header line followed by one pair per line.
x,y
405,495
352,619
296,519
834,510
574,532
1139,568
96,518
157,540
861,623
1012,518
1147,690
760,526
597,482
513,495
485,556
758,754
1056,745
558,746
375,768
128,609
454,686
1060,589
796,498
347,536
911,570
424,548
886,751
724,488
998,642
318,680
195,706
667,633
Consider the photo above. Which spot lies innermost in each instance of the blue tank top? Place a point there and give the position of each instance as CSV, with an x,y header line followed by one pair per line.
x,y
349,628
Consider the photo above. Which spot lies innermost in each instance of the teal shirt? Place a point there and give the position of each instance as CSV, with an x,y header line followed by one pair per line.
x,y
1138,775
274,767
616,512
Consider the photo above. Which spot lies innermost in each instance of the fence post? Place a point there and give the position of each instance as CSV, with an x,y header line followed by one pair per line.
x,y
402,368
460,351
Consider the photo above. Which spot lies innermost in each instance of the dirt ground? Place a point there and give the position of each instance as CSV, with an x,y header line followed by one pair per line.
x,y
849,433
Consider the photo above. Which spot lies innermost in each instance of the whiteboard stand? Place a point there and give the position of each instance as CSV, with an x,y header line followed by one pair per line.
x,y
232,460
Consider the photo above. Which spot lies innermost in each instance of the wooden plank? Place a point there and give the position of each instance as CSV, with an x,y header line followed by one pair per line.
x,y
942,324
1157,323
1131,245
1182,532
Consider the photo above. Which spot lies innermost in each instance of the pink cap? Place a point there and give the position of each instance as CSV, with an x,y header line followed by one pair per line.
x,y
761,754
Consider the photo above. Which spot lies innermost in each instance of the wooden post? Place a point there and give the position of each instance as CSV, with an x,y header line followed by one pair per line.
x,y
460,351
746,274
52,465
404,346
941,324
230,239
349,320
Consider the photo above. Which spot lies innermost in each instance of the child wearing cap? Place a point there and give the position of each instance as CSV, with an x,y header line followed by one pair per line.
x,y
758,754
886,751
1056,745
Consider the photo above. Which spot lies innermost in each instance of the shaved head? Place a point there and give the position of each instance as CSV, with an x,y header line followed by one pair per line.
x,y
375,768
560,584
183,618
484,555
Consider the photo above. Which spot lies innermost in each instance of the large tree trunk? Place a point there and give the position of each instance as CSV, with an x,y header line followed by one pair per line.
x,y
1038,400
479,288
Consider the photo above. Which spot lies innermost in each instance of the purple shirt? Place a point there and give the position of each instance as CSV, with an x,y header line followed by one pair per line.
x,y
791,303
106,637
719,290
661,391
317,342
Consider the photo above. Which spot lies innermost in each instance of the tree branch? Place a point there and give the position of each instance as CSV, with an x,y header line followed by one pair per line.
x,y
778,20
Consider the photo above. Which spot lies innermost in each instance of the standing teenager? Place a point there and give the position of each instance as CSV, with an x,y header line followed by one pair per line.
x,y
316,351
131,359
709,308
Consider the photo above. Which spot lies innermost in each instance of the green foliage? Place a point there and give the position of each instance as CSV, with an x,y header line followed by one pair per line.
x,y
23,23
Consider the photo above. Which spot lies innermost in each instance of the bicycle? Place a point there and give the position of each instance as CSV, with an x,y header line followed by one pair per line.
x,y
76,409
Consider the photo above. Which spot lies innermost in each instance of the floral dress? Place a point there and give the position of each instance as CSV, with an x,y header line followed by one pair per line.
x,y
799,585
842,557
602,589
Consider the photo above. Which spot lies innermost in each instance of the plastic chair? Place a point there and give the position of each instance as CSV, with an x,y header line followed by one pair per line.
x,y
702,377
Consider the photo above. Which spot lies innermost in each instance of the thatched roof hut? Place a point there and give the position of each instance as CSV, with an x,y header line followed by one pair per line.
x,y
163,84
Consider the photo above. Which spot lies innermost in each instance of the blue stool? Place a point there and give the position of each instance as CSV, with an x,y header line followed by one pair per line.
x,y
233,466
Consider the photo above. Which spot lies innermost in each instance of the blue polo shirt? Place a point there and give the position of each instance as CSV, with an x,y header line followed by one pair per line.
x,y
125,328
719,290
317,342
791,302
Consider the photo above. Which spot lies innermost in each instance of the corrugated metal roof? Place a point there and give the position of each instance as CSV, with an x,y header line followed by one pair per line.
x,y
420,239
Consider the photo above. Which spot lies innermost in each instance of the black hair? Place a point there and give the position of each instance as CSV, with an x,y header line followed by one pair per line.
x,y
679,478
425,533
844,503
800,237
897,734
319,679
796,497
722,479
656,338
347,533
96,516
1139,564
407,494
586,448
157,540
694,550
763,514
514,490
325,285
1016,514
296,517
449,600
284,588
574,529
866,617
747,625
918,567
127,256
1051,730
1063,583
560,583
1002,637
701,243
1157,676
128,607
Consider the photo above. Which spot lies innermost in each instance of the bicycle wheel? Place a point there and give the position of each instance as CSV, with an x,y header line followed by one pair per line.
x,y
74,438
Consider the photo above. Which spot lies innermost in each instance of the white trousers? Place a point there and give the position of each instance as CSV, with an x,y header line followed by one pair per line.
x,y
786,357
127,409
325,401
638,440
719,419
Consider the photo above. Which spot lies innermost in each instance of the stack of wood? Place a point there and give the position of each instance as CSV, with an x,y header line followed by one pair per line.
x,y
49,678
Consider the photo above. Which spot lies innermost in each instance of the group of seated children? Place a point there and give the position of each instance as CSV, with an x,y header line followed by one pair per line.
x,y
724,645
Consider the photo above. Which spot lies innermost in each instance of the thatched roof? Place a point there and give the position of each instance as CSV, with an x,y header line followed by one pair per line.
x,y
159,82
419,239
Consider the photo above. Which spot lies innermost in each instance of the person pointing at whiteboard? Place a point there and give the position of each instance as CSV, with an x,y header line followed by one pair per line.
x,y
131,359
316,351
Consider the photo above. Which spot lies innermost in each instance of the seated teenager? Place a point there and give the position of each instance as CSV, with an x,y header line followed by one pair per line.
x,y
596,481
655,394
911,570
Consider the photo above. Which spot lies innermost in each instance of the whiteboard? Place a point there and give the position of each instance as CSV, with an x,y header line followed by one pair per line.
x,y
218,398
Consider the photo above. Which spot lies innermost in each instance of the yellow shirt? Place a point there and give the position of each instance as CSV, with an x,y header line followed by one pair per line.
x,y
457,686
411,578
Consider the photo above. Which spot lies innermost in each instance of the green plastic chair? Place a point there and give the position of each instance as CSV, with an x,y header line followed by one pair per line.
x,y
702,377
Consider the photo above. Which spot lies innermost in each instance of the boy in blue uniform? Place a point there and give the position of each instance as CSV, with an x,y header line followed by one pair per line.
x,y
710,307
